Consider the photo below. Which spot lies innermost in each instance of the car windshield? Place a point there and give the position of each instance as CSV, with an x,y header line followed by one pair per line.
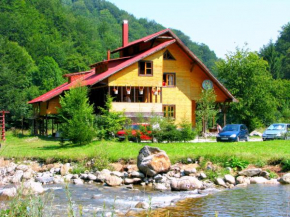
x,y
231,128
276,127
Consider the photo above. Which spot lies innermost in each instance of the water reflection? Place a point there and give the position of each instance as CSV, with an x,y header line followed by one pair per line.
x,y
255,200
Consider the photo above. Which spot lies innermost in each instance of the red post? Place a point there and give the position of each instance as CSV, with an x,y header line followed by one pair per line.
x,y
3,125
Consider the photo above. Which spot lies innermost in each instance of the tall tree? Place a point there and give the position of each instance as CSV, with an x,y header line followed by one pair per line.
x,y
245,74
273,58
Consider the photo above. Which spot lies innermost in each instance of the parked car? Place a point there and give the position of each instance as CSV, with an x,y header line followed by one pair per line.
x,y
135,132
277,131
233,132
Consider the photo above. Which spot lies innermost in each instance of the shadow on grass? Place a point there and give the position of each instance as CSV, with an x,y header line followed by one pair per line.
x,y
62,146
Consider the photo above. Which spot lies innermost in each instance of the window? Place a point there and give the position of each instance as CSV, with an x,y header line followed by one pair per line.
x,y
145,68
168,56
169,111
169,79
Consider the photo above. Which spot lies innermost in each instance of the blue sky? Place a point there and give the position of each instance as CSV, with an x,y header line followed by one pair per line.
x,y
222,25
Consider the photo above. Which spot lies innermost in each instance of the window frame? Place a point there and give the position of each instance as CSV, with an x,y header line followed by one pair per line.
x,y
166,79
164,106
145,68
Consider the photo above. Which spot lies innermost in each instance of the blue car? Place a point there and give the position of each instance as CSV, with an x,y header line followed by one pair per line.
x,y
233,133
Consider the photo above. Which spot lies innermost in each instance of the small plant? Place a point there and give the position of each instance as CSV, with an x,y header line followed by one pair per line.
x,y
78,169
236,163
286,165
260,163
272,175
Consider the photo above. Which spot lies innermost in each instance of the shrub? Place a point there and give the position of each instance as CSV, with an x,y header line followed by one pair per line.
x,y
76,115
236,163
286,165
186,132
167,130
109,122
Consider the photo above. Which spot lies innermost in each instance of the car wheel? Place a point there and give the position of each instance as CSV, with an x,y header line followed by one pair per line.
x,y
247,139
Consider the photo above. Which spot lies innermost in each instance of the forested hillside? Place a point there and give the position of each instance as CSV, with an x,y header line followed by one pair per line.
x,y
40,40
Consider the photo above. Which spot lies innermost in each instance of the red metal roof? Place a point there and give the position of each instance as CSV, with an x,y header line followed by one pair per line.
x,y
145,39
115,65
91,78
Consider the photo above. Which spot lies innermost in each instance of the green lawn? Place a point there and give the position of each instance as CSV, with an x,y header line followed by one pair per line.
x,y
43,148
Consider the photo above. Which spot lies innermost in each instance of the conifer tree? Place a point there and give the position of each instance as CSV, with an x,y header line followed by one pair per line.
x,y
77,116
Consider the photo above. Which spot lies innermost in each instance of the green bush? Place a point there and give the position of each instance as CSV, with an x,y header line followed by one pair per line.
x,y
286,165
186,131
236,163
109,122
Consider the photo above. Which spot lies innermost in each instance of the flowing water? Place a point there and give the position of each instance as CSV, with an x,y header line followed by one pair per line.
x,y
254,200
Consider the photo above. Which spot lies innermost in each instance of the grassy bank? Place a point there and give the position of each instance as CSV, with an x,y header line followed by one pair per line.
x,y
27,147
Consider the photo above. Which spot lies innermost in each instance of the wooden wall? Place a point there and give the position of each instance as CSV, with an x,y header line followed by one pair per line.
x,y
49,107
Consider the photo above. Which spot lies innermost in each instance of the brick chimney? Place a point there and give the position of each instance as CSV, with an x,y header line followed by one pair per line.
x,y
125,33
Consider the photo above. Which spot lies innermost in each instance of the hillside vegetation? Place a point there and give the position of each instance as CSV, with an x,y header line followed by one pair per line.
x,y
40,40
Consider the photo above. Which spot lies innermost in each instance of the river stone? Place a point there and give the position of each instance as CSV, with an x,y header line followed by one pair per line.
x,y
92,177
185,183
44,179
272,182
250,172
11,167
84,176
202,175
31,187
28,174
128,181
152,160
116,173
142,205
258,180
242,180
161,187
7,193
136,174
158,178
58,179
230,179
221,182
285,179
265,174
188,169
78,181
68,177
102,176
64,170
17,176
22,167
113,181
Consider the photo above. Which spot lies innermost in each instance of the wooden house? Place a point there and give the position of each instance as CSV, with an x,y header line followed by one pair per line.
x,y
157,73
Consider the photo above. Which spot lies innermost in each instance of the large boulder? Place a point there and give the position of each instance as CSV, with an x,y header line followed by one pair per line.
x,y
152,161
285,179
250,172
185,183
230,179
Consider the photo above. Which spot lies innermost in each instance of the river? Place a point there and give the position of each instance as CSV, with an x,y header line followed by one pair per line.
x,y
254,200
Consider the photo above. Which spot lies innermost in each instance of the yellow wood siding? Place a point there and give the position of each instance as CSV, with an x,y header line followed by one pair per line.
x,y
53,104
129,76
188,84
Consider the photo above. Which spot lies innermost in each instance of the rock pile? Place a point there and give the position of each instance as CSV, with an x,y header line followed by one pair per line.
x,y
153,169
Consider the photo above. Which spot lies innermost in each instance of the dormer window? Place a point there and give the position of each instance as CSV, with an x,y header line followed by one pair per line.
x,y
168,56
145,68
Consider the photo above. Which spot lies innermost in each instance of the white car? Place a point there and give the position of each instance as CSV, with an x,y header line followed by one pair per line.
x,y
277,131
